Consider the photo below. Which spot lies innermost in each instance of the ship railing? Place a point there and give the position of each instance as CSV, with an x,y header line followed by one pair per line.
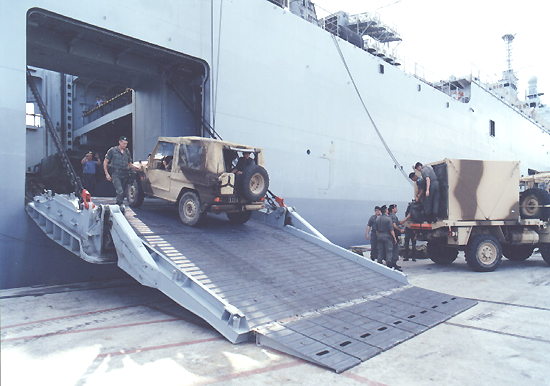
x,y
116,102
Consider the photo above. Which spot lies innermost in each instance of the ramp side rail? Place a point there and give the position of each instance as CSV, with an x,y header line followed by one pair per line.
x,y
153,269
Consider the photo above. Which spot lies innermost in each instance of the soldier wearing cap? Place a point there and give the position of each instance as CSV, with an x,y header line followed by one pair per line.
x,y
385,238
119,160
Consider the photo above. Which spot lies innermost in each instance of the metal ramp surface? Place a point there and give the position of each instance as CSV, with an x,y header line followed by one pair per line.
x,y
297,294
274,279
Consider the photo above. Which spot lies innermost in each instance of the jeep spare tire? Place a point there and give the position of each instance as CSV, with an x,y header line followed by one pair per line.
x,y
253,183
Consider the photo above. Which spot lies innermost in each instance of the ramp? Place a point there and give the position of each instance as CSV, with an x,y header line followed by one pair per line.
x,y
276,280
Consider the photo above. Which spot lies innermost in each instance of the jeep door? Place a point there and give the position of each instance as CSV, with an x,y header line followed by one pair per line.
x,y
159,169
189,172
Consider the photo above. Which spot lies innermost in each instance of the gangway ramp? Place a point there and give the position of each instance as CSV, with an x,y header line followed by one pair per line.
x,y
276,280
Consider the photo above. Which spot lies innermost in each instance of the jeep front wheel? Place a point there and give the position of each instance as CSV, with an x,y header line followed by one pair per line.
x,y
134,193
239,217
189,209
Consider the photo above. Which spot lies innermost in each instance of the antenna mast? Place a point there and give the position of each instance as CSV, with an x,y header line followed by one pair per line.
x,y
508,38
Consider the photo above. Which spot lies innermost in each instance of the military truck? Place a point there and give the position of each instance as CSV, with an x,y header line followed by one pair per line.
x,y
199,174
483,213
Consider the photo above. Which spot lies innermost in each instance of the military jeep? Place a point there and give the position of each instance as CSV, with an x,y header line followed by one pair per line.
x,y
200,175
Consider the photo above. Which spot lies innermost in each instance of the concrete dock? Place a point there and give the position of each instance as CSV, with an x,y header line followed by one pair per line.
x,y
119,332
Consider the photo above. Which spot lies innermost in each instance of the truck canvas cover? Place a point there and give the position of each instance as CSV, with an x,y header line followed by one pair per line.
x,y
478,190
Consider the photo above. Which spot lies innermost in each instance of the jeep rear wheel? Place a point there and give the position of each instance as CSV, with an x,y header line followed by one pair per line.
x,y
239,217
134,193
483,253
189,209
517,252
254,183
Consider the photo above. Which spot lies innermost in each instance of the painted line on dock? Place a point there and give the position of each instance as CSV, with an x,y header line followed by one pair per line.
x,y
498,332
72,316
510,304
159,347
361,379
248,373
90,329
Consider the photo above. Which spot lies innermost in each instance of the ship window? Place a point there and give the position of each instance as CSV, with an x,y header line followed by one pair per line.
x,y
381,68
419,87
492,128
532,104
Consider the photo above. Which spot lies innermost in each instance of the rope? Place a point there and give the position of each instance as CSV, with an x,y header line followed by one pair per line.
x,y
396,163
217,61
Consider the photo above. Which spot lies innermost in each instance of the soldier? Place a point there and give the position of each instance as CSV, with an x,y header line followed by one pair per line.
x,y
397,231
119,160
431,200
385,237
410,237
371,233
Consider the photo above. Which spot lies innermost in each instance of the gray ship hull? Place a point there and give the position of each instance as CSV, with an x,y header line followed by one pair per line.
x,y
266,78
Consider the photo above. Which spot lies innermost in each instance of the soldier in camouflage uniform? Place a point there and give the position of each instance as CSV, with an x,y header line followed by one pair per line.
x,y
385,237
371,233
397,230
119,160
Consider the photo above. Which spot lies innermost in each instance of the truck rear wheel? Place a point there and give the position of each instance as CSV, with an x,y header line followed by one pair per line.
x,y
440,253
239,217
189,209
533,204
517,252
545,252
483,253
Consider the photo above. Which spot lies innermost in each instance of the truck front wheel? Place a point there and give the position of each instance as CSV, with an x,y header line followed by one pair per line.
x,y
483,253
517,252
440,253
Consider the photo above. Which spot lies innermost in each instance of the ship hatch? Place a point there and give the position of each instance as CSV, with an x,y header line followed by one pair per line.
x,y
111,86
